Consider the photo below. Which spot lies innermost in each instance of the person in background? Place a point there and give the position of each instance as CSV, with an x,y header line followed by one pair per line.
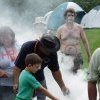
x,y
8,54
46,48
27,82
94,75
70,35
40,26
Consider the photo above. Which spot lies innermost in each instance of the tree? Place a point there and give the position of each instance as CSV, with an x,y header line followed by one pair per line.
x,y
87,5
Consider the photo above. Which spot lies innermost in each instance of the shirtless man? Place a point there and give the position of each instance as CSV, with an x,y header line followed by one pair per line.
x,y
70,35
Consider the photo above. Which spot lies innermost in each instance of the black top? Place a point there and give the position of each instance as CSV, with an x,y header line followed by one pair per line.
x,y
50,61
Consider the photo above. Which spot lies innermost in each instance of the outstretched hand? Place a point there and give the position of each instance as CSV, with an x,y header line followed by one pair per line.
x,y
65,91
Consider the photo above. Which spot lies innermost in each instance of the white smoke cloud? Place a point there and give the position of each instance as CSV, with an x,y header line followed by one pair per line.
x,y
20,15
75,82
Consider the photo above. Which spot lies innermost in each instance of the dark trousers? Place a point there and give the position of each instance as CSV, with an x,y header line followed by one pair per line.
x,y
6,93
78,61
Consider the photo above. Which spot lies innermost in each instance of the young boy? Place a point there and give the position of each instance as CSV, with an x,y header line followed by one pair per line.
x,y
27,82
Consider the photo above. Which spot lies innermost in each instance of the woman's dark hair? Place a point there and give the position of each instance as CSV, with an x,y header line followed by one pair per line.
x,y
32,59
71,10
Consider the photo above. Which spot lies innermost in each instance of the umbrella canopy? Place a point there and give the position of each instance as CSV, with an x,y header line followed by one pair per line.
x,y
56,18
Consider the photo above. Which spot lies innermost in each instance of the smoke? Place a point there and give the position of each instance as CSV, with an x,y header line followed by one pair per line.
x,y
77,83
20,15
25,11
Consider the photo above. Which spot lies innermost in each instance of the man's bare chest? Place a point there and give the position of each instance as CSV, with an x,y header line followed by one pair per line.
x,y
70,34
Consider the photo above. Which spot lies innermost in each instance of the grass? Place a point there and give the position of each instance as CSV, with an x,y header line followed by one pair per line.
x,y
93,36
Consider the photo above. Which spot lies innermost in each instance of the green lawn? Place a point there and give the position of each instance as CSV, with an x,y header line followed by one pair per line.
x,y
93,36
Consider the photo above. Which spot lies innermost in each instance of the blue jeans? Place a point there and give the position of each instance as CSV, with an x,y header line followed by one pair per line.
x,y
6,93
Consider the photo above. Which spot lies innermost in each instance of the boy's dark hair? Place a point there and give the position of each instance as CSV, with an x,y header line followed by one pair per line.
x,y
71,10
32,59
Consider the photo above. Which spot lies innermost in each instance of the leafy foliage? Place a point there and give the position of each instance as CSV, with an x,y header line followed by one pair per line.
x,y
87,5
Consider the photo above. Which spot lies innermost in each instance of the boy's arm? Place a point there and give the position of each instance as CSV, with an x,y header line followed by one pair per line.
x,y
47,93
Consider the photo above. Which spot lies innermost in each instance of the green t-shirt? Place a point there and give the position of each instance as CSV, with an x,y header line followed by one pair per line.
x,y
27,85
